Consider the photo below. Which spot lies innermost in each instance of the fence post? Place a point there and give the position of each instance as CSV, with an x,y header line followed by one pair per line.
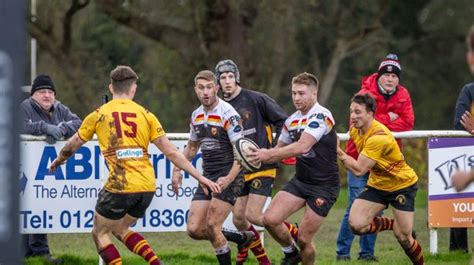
x,y
433,241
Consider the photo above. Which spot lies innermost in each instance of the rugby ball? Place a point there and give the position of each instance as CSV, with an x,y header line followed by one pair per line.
x,y
242,149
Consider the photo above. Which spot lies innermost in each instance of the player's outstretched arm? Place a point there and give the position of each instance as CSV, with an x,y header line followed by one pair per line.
x,y
68,150
233,173
177,158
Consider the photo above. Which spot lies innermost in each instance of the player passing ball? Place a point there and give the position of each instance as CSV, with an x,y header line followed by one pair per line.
x,y
124,127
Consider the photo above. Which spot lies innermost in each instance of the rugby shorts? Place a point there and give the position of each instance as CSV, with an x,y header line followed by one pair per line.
x,y
115,205
318,197
402,199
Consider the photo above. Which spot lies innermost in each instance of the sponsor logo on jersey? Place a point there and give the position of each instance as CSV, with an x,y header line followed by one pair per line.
x,y
313,124
129,153
237,128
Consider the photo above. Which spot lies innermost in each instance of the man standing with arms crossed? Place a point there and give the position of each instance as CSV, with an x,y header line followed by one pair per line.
x,y
308,134
464,120
215,126
391,180
258,113
124,130
394,110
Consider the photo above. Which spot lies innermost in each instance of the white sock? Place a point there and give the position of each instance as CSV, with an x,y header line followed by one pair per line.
x,y
222,250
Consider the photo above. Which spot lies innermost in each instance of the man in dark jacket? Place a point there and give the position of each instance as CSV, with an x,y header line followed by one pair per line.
x,y
44,115
464,120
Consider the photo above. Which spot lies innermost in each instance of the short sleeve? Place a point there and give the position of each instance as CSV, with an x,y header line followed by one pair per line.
x,y
156,130
88,126
233,125
375,146
285,135
318,125
192,133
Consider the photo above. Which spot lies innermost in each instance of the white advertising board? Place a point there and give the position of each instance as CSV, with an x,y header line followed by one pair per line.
x,y
63,202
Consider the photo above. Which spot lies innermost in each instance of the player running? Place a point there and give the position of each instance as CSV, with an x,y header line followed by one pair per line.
x,y
124,130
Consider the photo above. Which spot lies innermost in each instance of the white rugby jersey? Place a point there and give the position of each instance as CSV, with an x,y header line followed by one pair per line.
x,y
216,130
319,165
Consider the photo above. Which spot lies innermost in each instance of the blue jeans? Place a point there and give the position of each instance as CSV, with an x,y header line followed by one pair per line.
x,y
345,236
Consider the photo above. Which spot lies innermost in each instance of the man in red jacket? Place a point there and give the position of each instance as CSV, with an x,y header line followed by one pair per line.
x,y
394,110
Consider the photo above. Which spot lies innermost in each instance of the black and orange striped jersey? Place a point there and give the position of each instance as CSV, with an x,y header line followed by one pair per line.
x,y
259,113
215,130
390,172
124,130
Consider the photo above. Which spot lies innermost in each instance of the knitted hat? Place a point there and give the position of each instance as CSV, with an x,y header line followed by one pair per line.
x,y
391,64
42,82
227,66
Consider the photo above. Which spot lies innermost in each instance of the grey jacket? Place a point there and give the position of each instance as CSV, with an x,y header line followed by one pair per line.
x,y
60,115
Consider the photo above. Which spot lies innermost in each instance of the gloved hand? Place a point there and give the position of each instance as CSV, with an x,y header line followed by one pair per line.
x,y
52,130
50,139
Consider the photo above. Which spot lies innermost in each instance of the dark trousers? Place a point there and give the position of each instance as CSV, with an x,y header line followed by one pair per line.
x,y
35,245
458,239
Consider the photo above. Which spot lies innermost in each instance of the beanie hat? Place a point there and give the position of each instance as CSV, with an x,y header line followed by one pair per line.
x,y
42,82
391,64
227,66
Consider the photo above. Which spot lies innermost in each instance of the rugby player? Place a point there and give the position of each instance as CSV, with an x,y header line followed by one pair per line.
x,y
258,113
214,127
391,180
308,134
124,130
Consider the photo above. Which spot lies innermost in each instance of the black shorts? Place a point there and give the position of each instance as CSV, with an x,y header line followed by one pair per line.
x,y
403,199
115,205
229,194
319,198
260,186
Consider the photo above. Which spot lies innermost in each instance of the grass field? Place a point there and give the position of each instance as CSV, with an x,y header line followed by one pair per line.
x,y
177,248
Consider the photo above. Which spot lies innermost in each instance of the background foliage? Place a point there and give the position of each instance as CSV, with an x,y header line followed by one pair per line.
x,y
168,42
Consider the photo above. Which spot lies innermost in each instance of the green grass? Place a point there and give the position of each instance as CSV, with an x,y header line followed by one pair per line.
x,y
177,248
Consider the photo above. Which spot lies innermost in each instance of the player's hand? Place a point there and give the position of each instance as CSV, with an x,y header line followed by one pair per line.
x,y
462,179
207,184
393,116
224,182
467,121
258,155
176,180
54,165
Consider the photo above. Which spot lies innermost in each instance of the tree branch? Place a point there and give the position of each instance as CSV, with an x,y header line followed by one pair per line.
x,y
76,5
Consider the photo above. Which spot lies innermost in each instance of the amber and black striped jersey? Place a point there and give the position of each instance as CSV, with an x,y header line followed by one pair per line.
x,y
124,130
259,113
215,131
319,165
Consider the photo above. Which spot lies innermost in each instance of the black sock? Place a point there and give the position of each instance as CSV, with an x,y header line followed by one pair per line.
x,y
224,258
234,236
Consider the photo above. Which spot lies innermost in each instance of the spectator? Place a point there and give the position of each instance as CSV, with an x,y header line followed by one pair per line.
x,y
463,120
394,110
44,115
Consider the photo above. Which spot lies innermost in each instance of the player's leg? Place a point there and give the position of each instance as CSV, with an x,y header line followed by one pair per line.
x,y
197,220
104,221
217,213
134,241
310,224
403,203
363,217
100,234
197,216
241,222
260,190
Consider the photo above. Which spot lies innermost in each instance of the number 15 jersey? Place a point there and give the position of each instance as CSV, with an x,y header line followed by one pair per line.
x,y
124,130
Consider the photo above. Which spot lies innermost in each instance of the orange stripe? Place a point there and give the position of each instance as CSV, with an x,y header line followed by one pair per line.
x,y
152,259
129,234
117,261
138,246
268,129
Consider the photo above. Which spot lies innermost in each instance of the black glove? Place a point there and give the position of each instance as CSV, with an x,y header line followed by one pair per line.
x,y
52,130
50,139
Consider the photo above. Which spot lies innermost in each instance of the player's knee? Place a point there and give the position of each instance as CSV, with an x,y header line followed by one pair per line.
x,y
305,243
355,227
195,232
238,220
270,221
403,239
254,217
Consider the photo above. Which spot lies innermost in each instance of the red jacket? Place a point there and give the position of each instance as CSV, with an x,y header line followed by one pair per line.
x,y
399,103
